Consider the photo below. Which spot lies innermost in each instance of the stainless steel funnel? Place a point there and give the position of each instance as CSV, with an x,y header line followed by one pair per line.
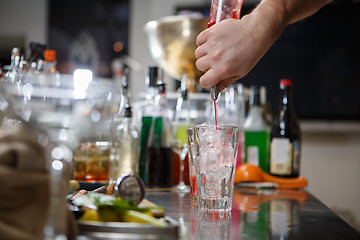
x,y
172,43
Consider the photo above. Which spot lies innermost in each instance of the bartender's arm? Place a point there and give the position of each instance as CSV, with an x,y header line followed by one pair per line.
x,y
230,49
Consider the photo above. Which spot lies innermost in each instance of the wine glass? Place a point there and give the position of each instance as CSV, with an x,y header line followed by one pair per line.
x,y
179,125
64,113
180,147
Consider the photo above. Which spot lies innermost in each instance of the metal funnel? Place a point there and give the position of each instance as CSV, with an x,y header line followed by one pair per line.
x,y
172,43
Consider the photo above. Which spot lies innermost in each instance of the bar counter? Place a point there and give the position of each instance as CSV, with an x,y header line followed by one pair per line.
x,y
257,214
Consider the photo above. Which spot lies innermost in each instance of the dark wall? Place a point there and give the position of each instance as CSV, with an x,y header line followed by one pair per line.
x,y
84,32
321,54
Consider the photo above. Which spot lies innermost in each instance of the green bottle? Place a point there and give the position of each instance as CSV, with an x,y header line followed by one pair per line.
x,y
147,111
160,158
256,133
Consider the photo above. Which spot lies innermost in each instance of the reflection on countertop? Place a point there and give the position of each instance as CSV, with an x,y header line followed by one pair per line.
x,y
257,214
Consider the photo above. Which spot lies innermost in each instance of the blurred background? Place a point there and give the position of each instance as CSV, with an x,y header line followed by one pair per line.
x,y
320,54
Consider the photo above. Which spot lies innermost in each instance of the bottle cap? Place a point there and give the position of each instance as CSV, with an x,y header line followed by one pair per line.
x,y
50,55
161,87
38,50
255,96
15,51
34,45
285,82
128,112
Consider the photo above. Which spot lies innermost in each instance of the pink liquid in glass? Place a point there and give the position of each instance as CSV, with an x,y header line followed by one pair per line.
x,y
216,113
223,9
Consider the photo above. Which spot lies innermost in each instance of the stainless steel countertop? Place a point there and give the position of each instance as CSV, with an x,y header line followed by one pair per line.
x,y
265,214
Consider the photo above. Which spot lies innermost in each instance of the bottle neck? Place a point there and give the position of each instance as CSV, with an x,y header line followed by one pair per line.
x,y
124,102
255,119
182,112
150,92
286,96
160,99
15,60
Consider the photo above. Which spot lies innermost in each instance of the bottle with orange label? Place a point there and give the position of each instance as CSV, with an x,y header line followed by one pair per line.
x,y
285,138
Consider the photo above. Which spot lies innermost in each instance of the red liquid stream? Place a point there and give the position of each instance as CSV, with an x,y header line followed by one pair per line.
x,y
216,113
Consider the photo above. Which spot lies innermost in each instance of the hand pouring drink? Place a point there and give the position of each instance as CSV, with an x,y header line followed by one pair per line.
x,y
215,149
220,10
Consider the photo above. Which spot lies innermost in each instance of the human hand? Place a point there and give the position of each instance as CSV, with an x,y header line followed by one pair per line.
x,y
230,49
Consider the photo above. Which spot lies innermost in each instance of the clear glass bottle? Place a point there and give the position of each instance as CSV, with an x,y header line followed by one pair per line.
x,y
124,156
125,137
256,133
160,162
285,136
49,74
146,116
12,75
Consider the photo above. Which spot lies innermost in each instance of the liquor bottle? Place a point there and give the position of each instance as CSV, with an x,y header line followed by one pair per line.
x,y
146,116
285,137
12,76
124,155
160,162
35,62
49,75
256,133
125,136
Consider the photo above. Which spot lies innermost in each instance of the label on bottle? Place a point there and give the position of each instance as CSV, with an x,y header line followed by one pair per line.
x,y
253,155
280,156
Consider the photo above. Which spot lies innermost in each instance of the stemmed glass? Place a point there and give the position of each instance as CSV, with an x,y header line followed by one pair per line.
x,y
180,147
180,123
64,113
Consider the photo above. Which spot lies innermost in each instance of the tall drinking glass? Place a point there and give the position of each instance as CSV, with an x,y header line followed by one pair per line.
x,y
215,148
192,165
64,113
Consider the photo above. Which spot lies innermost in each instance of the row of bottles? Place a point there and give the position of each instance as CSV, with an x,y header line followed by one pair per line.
x,y
273,145
123,146
144,148
39,68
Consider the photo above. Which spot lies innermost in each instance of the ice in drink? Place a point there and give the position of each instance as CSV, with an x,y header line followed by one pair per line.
x,y
216,149
192,165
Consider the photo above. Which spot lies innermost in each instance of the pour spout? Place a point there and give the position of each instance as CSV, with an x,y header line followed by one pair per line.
x,y
214,93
